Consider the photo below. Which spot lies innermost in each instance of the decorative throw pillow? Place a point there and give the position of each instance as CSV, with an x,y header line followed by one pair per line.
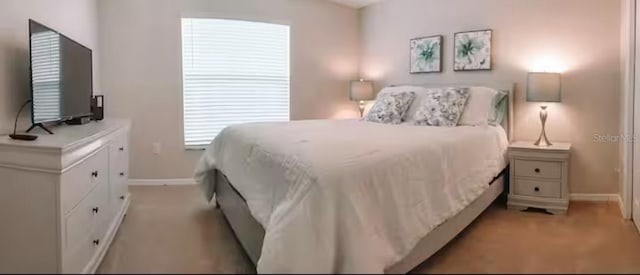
x,y
390,108
413,108
442,107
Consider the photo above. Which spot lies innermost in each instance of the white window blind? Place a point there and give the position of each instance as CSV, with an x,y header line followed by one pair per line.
x,y
233,72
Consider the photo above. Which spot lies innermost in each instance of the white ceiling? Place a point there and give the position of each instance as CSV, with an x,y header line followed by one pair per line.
x,y
356,3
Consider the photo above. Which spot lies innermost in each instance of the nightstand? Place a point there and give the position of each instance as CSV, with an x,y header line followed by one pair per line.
x,y
539,176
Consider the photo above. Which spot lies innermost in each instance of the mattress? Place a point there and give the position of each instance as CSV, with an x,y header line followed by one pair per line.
x,y
352,196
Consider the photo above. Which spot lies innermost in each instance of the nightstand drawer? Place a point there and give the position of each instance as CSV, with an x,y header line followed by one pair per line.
x,y
538,169
534,188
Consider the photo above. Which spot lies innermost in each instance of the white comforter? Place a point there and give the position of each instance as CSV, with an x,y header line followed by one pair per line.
x,y
352,196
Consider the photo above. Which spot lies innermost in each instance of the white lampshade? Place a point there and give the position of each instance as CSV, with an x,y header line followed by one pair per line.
x,y
361,90
543,87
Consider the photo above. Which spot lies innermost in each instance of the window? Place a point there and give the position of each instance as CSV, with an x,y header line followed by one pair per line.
x,y
232,72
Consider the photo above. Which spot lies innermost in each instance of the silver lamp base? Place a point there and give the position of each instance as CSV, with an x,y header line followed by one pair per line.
x,y
361,105
543,141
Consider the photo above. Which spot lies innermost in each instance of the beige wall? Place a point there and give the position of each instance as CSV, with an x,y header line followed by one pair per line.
x,y
75,18
581,38
141,67
138,44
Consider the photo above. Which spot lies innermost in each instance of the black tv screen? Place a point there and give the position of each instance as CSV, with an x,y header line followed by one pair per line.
x,y
61,76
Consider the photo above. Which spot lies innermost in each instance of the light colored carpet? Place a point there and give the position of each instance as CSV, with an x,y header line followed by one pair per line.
x,y
170,229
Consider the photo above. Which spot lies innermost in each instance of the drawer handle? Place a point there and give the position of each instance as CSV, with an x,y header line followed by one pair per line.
x,y
537,189
121,149
537,170
122,197
96,242
95,210
122,174
94,174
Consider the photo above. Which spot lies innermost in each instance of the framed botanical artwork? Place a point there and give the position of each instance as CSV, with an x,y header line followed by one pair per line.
x,y
426,54
472,50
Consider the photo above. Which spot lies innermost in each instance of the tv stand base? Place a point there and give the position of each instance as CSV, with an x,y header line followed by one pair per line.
x,y
41,126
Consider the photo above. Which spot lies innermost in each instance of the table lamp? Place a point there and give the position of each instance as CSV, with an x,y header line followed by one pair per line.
x,y
361,90
543,87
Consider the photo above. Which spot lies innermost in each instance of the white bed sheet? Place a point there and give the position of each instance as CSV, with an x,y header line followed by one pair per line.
x,y
350,196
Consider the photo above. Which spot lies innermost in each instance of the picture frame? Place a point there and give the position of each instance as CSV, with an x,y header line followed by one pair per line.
x,y
472,50
425,54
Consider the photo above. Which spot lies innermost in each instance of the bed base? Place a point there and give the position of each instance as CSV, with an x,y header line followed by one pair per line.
x,y
250,233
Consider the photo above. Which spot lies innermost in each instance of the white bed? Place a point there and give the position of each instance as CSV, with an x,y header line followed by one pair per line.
x,y
352,196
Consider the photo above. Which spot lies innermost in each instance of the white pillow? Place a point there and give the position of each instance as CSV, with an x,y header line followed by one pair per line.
x,y
479,107
420,94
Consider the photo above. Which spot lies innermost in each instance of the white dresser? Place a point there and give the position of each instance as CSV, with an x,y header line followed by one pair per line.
x,y
63,197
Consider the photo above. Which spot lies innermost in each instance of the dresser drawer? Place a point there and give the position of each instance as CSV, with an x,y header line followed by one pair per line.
x,y
544,189
75,260
90,215
118,192
119,177
120,149
119,172
77,182
538,169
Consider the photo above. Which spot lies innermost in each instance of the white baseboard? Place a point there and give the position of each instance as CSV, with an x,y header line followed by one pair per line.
x,y
572,196
594,197
598,197
160,182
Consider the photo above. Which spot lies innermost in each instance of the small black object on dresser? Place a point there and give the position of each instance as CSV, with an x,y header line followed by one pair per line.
x,y
97,107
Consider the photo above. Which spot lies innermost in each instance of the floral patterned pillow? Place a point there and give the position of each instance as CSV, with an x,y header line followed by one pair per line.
x,y
390,108
442,107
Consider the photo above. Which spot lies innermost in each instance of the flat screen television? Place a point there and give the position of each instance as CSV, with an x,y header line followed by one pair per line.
x,y
61,76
